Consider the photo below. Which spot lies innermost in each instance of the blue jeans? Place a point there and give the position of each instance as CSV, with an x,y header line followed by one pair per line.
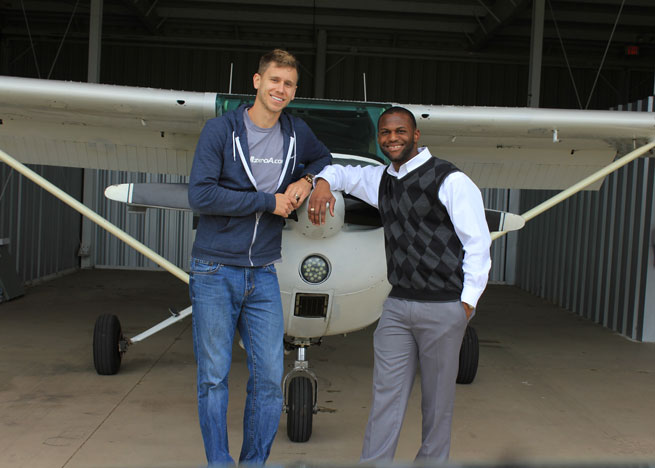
x,y
225,298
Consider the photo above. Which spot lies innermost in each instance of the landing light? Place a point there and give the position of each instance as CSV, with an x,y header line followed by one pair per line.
x,y
315,269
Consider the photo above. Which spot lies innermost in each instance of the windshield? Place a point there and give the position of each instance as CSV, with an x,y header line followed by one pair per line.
x,y
344,127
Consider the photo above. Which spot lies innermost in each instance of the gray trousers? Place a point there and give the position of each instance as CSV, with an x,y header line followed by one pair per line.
x,y
411,334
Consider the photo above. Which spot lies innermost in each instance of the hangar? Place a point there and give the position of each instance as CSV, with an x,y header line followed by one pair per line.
x,y
594,252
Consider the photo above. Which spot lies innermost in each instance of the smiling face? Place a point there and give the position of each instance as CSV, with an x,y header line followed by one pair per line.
x,y
276,87
398,138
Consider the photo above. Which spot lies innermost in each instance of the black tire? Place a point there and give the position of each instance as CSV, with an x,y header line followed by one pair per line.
x,y
300,409
468,357
107,336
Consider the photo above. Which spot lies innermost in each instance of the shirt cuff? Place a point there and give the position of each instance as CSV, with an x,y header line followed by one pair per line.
x,y
471,295
328,174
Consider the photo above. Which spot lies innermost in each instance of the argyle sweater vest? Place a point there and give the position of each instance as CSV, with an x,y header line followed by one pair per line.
x,y
424,254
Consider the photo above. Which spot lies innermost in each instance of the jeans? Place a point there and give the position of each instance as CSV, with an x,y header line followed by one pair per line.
x,y
225,298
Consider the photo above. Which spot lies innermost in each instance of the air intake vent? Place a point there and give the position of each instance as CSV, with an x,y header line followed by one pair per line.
x,y
311,305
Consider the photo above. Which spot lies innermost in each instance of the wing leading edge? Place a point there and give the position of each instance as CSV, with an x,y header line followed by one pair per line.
x,y
101,126
150,130
530,148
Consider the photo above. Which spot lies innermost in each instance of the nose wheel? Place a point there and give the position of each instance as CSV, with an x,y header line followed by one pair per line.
x,y
300,398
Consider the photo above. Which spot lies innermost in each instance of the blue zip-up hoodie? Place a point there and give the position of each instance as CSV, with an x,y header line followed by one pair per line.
x,y
237,225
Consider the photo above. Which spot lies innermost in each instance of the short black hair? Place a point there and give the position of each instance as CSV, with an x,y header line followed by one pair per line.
x,y
398,110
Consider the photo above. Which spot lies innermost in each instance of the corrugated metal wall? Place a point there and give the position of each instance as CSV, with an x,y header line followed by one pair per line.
x,y
590,253
44,233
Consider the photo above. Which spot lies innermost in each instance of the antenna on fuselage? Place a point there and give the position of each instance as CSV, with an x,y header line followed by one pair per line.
x,y
231,69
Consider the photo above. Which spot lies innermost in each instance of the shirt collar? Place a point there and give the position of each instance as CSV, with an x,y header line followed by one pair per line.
x,y
417,161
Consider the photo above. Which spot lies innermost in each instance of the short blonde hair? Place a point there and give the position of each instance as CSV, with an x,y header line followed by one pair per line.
x,y
280,57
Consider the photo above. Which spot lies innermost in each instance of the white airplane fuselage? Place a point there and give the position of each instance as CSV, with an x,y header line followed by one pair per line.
x,y
350,297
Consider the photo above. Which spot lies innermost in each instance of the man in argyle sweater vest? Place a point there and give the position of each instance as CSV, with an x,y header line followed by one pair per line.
x,y
437,248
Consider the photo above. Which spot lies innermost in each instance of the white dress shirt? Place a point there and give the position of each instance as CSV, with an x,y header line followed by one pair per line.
x,y
459,195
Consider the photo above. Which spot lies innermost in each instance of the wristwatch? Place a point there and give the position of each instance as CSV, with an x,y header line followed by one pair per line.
x,y
309,178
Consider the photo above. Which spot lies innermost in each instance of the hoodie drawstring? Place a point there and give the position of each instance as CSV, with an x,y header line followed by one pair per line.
x,y
234,154
293,168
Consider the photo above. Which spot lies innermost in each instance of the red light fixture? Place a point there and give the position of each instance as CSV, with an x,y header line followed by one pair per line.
x,y
632,50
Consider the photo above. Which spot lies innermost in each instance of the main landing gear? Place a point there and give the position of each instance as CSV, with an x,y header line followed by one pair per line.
x,y
109,345
469,353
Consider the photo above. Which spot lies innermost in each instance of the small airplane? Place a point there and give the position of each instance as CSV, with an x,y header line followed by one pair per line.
x,y
333,276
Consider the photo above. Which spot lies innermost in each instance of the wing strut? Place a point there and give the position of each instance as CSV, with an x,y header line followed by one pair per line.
x,y
572,190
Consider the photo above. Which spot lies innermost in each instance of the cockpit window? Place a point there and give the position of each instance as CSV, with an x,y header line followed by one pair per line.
x,y
342,131
344,127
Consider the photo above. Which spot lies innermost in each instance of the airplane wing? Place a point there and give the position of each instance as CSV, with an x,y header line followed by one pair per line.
x,y
150,130
530,148
101,126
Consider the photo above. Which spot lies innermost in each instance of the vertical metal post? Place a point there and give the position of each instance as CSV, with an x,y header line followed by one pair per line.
x,y
319,69
534,86
93,76
95,41
536,46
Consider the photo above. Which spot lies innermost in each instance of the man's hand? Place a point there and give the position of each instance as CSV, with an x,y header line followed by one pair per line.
x,y
321,197
298,191
283,205
468,309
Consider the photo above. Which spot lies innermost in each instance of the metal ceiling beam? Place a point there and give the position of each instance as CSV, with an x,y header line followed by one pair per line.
x,y
502,13
321,20
508,56
601,19
573,33
461,8
617,3
512,40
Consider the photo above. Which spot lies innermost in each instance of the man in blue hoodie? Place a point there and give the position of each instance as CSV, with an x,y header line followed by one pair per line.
x,y
252,168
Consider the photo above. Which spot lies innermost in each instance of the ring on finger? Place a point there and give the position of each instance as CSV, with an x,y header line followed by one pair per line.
x,y
311,209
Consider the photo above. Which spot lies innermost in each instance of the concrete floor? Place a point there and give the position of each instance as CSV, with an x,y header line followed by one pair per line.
x,y
550,386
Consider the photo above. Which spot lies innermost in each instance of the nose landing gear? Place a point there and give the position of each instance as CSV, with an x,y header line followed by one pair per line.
x,y
300,396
